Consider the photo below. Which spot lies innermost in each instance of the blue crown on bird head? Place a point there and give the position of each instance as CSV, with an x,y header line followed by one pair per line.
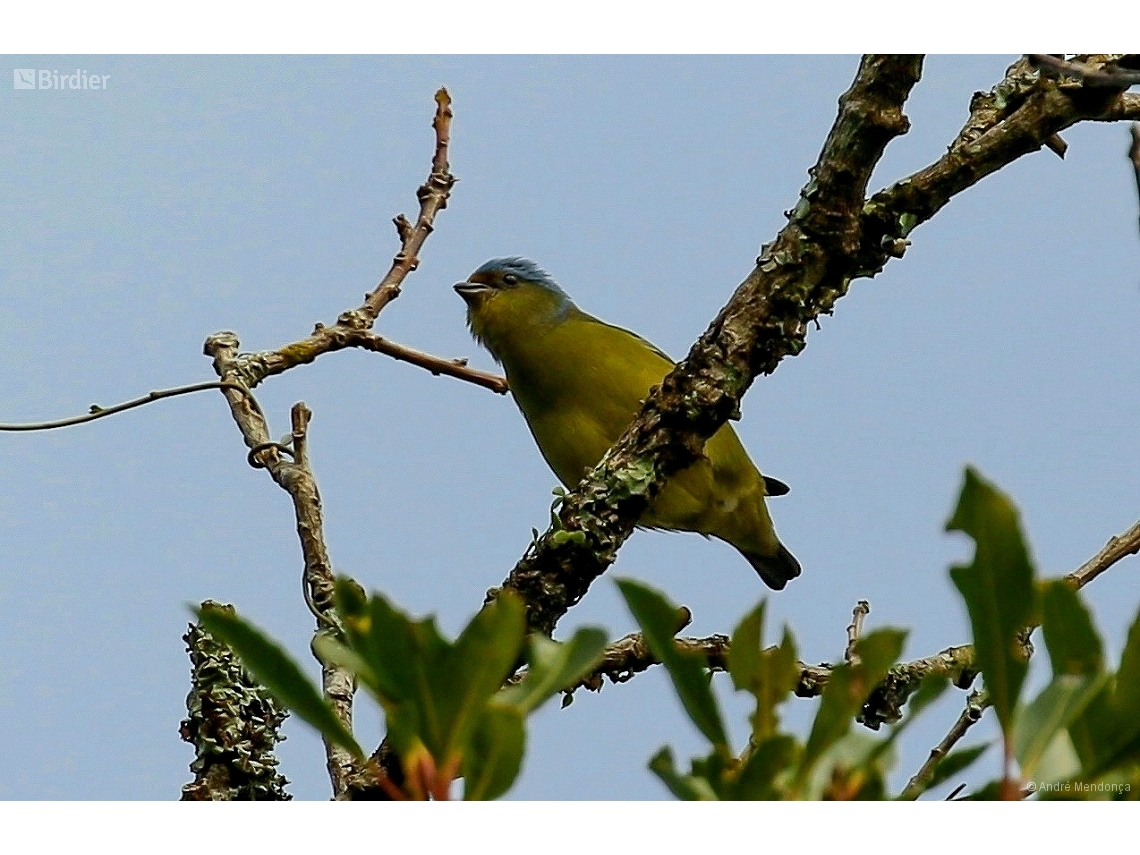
x,y
524,269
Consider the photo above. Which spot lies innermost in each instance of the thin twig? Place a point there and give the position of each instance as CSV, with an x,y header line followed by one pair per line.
x,y
98,412
436,365
433,195
855,629
1118,547
351,327
241,371
976,704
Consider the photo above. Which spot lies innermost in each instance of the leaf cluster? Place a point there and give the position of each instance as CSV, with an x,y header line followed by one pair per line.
x,y
448,711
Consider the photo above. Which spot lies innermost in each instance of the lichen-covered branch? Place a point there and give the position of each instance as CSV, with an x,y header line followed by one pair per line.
x,y
1018,116
631,655
243,371
795,279
1118,73
833,236
296,478
233,723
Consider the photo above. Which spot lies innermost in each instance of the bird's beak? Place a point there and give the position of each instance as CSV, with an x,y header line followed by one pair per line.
x,y
469,291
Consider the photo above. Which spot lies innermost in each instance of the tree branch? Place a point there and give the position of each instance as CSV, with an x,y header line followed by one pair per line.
x,y
1118,547
1016,117
832,237
855,629
795,279
239,372
350,329
976,704
233,722
296,478
97,412
631,655
1110,74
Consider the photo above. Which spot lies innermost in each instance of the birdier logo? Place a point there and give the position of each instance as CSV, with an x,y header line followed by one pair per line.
x,y
47,78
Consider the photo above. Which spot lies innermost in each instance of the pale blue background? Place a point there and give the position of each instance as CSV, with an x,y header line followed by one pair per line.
x,y
256,194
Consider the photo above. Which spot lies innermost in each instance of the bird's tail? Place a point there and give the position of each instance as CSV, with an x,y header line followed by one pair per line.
x,y
776,570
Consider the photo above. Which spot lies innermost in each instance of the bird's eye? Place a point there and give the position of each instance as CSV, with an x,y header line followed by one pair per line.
x,y
510,279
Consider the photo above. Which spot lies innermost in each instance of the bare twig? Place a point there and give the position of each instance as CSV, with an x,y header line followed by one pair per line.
x,y
98,412
1118,547
436,365
239,372
976,704
855,629
433,195
351,328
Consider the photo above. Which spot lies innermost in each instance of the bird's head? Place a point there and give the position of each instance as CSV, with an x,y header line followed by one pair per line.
x,y
511,297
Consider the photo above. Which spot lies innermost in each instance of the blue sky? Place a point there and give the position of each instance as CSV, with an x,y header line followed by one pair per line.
x,y
255,194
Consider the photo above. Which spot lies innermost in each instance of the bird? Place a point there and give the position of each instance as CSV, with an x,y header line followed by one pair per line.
x,y
580,381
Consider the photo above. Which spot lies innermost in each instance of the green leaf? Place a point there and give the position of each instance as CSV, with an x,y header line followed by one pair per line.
x,y
1072,640
351,599
847,690
1109,730
929,690
329,648
1058,762
770,675
402,655
1093,731
1106,735
1126,699
554,666
474,669
998,589
990,792
275,670
1035,726
685,787
747,647
658,620
494,754
762,776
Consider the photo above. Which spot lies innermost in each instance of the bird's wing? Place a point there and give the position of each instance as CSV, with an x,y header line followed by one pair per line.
x,y
633,335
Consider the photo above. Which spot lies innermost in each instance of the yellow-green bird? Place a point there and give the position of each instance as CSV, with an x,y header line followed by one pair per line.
x,y
580,381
